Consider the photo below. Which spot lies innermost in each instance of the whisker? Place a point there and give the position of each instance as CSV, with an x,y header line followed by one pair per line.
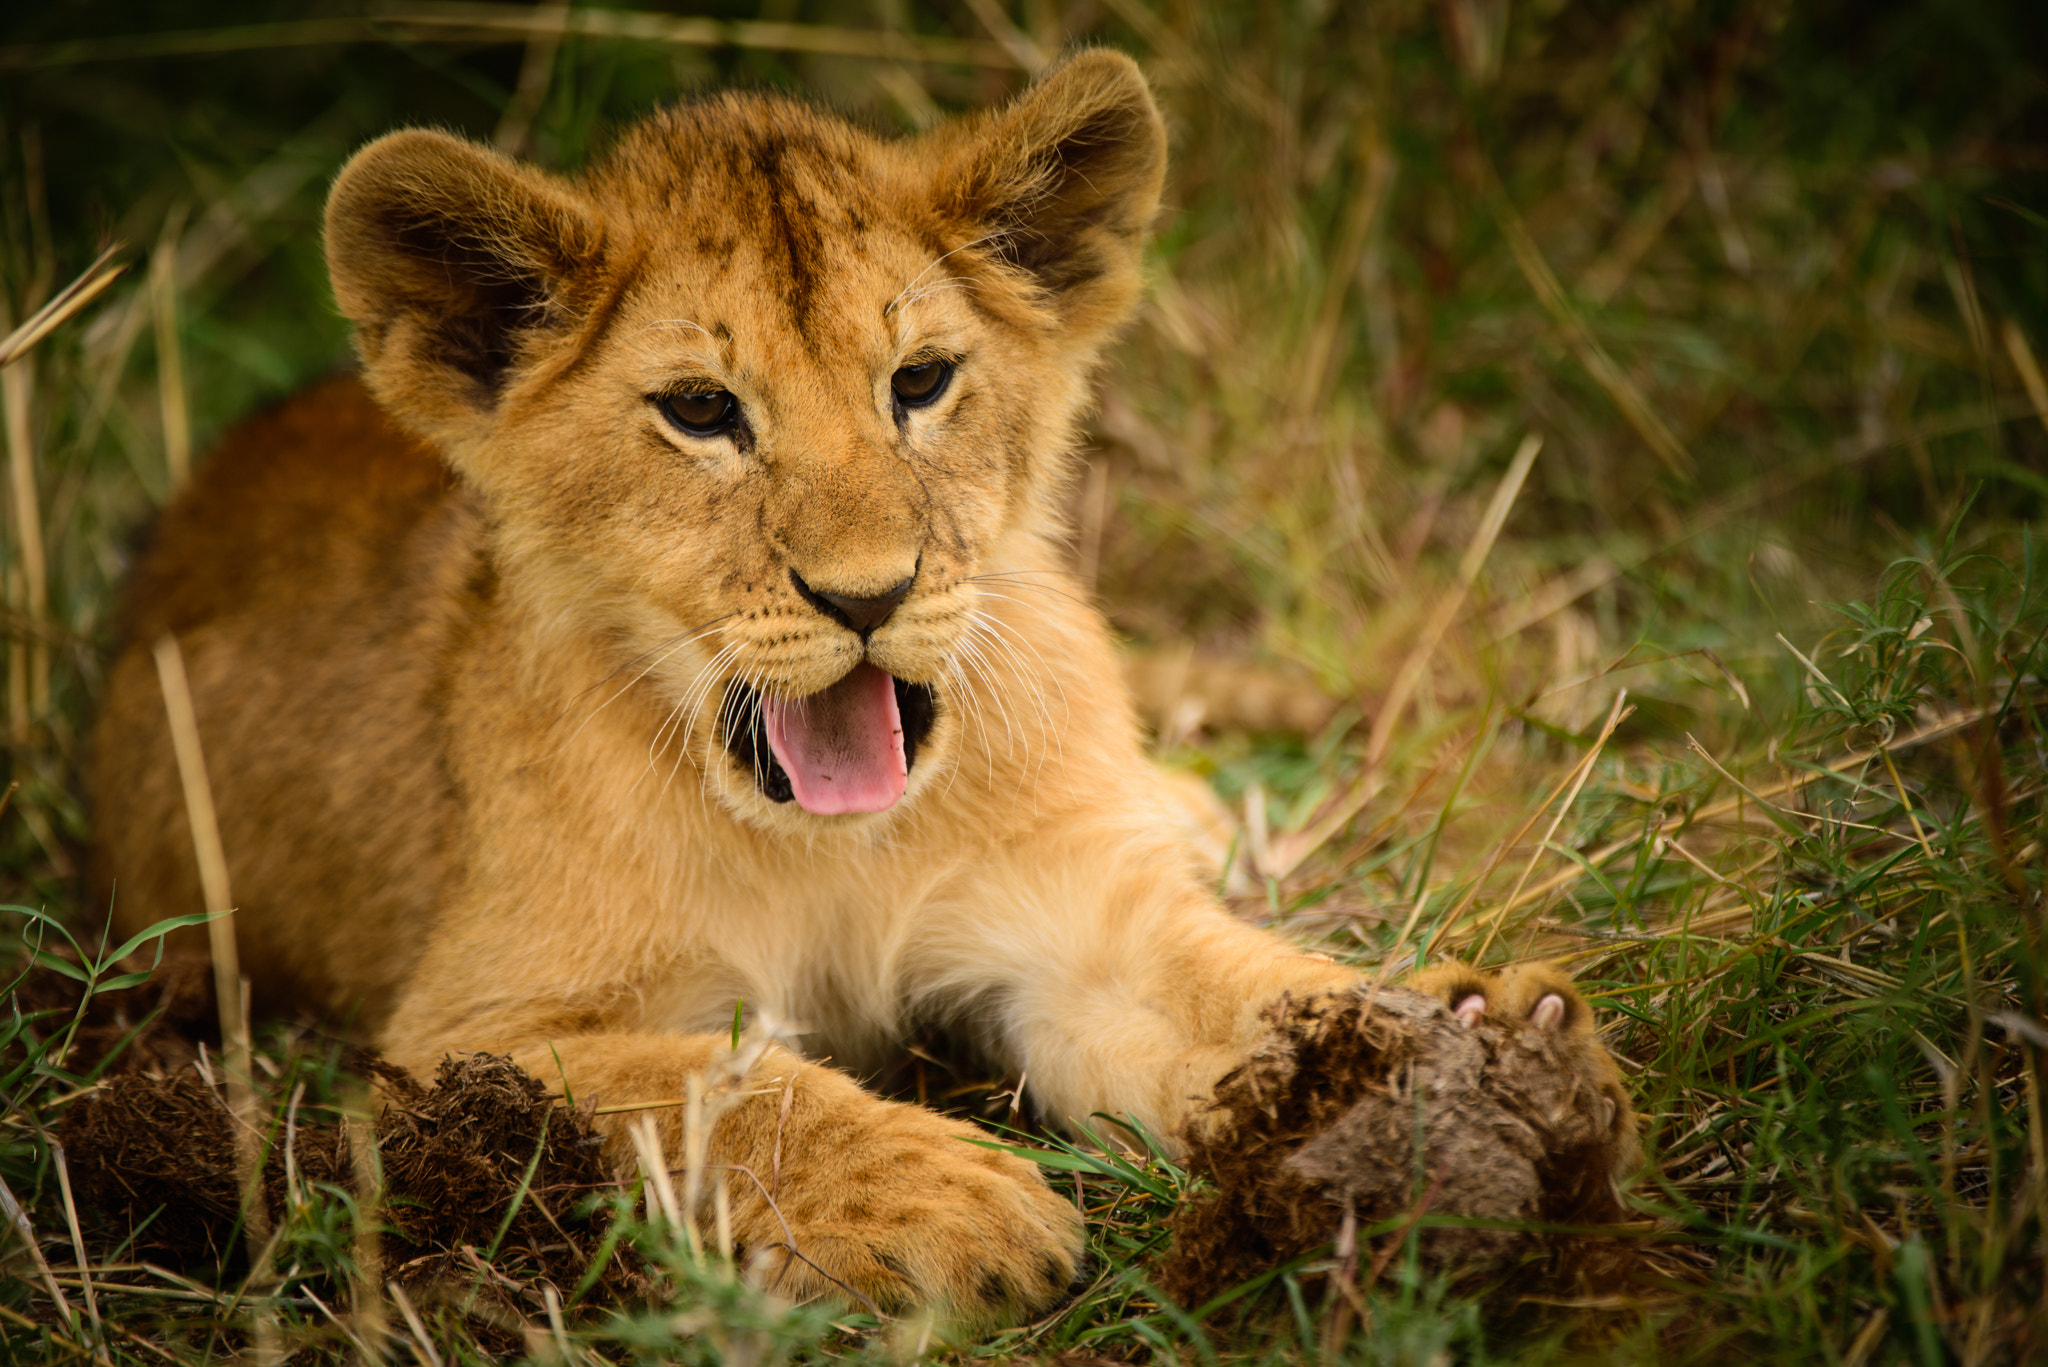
x,y
1032,758
1015,579
969,655
655,747
661,653
665,648
724,718
985,669
959,282
698,695
934,265
973,660
1050,675
698,687
957,673
670,325
995,627
998,695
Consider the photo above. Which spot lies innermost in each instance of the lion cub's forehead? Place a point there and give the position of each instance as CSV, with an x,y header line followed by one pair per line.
x,y
770,205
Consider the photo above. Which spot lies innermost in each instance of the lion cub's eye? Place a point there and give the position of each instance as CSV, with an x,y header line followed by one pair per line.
x,y
920,384
699,414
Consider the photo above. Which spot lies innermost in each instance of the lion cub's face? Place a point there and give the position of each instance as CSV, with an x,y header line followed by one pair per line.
x,y
755,402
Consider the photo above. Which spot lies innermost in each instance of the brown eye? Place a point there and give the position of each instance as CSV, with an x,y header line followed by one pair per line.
x,y
699,414
920,384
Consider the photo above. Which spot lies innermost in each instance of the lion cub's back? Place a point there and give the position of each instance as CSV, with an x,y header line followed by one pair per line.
x,y
315,574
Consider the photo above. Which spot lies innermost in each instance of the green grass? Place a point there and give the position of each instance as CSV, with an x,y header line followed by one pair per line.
x,y
1767,283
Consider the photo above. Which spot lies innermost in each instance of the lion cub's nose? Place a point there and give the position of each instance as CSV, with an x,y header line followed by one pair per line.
x,y
854,611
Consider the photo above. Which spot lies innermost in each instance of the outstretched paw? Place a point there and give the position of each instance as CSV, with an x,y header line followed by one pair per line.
x,y
1547,1012
1537,995
894,1206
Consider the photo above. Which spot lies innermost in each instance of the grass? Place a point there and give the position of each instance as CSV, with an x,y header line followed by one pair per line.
x,y
1735,706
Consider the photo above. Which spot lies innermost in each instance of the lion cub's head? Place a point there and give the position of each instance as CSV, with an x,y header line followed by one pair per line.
x,y
752,403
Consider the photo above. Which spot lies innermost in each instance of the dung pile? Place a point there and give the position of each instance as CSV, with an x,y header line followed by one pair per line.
x,y
454,1158
1516,1124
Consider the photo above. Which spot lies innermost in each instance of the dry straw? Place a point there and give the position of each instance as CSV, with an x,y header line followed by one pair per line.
x,y
231,989
27,584
469,23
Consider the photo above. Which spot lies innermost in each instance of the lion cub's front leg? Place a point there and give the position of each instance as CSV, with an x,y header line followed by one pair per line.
x,y
836,1191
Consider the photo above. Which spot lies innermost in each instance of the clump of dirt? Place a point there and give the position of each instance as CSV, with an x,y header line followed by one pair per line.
x,y
1325,1118
454,1158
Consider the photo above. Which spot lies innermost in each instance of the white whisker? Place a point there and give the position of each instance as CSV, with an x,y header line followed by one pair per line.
x,y
1018,579
1024,640
998,695
995,627
680,723
957,673
968,655
697,697
661,651
934,265
959,282
672,325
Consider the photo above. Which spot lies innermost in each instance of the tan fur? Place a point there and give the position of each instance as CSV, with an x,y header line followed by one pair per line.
x,y
459,670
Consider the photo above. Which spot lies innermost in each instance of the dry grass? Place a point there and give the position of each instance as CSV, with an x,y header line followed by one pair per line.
x,y
1769,289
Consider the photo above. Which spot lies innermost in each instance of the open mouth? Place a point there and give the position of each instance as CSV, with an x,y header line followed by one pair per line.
x,y
846,748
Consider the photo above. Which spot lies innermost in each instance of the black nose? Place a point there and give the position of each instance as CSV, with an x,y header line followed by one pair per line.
x,y
854,612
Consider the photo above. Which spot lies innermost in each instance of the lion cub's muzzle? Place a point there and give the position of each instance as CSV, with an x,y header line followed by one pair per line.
x,y
846,748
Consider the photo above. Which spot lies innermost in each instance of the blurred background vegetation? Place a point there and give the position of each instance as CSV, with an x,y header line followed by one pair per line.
x,y
1767,281
1759,275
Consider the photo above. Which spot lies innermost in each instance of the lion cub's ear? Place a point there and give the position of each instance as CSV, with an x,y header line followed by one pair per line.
x,y
1065,184
452,261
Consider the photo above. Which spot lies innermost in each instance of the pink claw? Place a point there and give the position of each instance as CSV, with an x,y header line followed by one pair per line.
x,y
1549,1012
1470,1010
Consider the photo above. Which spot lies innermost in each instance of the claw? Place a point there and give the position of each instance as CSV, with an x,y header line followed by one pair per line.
x,y
1470,1010
1549,1012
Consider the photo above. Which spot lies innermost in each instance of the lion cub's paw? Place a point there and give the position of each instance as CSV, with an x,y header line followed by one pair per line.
x,y
1539,999
1536,995
1545,1005
895,1205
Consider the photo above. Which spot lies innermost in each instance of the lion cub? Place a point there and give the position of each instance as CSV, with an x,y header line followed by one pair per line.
x,y
673,614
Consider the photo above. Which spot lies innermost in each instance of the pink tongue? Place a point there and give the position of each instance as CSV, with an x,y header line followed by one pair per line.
x,y
842,748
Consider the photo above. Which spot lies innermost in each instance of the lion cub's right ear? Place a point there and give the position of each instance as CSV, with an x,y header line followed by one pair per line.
x,y
455,264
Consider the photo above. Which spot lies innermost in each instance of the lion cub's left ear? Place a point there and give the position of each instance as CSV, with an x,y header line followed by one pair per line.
x,y
1065,183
